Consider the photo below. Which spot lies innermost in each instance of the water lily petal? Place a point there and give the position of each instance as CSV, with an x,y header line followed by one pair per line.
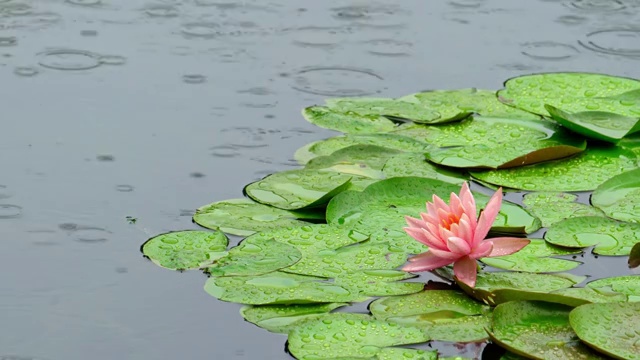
x,y
425,262
469,204
458,246
423,236
445,254
440,204
507,245
487,217
482,250
414,223
464,229
465,270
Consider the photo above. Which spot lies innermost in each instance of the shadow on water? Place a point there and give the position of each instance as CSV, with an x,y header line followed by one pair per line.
x,y
114,110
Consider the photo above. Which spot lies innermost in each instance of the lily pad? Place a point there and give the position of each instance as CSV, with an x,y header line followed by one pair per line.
x,y
599,125
362,160
379,282
572,92
610,328
184,250
537,330
582,172
415,164
536,258
551,207
609,236
328,338
454,105
350,123
255,256
626,285
282,318
244,217
414,111
619,197
297,189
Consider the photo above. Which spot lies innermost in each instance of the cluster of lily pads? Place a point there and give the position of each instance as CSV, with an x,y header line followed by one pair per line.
x,y
329,235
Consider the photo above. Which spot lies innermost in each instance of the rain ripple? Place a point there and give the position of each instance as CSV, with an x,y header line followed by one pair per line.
x,y
597,5
9,211
337,81
622,42
549,50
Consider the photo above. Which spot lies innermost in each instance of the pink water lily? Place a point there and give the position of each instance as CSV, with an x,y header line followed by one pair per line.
x,y
455,236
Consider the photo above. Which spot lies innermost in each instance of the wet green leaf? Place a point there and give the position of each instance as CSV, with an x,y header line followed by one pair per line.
x,y
415,164
282,318
609,236
572,92
255,256
362,160
611,328
244,217
384,106
329,338
184,250
599,125
582,172
634,256
350,123
537,330
626,285
619,197
297,189
379,282
551,207
535,257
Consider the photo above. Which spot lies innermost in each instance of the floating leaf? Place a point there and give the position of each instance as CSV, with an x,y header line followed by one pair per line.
x,y
573,92
536,258
551,207
378,282
384,106
296,189
582,172
362,160
619,197
415,164
599,125
537,330
609,236
626,285
328,338
244,217
611,328
282,318
456,104
255,256
347,123
634,256
184,250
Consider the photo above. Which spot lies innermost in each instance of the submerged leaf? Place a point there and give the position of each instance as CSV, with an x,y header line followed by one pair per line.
x,y
551,207
184,250
609,236
535,257
619,197
347,123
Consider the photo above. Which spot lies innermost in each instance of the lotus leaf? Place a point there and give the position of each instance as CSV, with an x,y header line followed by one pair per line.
x,y
415,164
619,197
551,207
599,125
626,285
183,250
282,318
362,160
347,123
610,237
379,282
535,257
255,256
384,106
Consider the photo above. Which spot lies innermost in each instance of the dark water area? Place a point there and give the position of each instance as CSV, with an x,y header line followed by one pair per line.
x,y
149,109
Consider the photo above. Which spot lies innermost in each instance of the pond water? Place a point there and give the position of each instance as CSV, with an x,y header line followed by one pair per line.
x,y
149,109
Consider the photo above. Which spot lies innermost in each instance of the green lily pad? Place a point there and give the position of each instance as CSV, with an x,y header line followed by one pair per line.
x,y
184,250
542,141
552,207
384,106
610,328
282,318
609,236
379,282
582,172
634,256
350,123
405,353
415,164
577,296
619,197
297,189
329,338
572,92
535,257
362,160
255,256
456,104
278,288
330,145
244,217
599,125
537,330
627,285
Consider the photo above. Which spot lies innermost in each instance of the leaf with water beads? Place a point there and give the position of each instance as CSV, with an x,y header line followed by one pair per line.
x,y
619,197
610,328
537,330
297,189
410,110
282,318
582,172
610,237
415,164
379,282
573,92
552,207
536,258
627,285
185,250
334,338
350,123
362,160
599,125
244,217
